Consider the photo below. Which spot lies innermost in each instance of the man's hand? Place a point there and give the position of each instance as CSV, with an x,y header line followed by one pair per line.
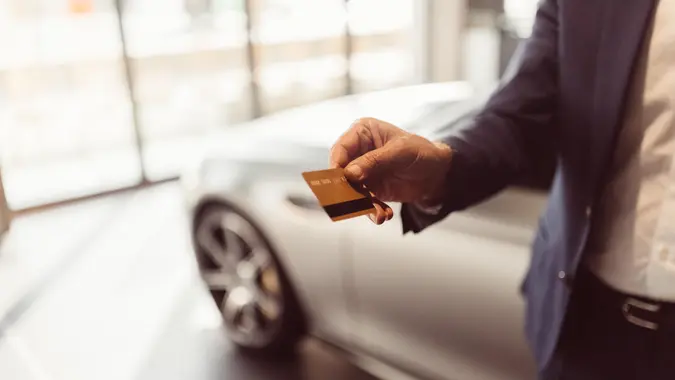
x,y
396,166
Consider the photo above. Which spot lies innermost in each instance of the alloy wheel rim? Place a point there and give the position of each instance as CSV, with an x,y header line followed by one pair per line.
x,y
241,274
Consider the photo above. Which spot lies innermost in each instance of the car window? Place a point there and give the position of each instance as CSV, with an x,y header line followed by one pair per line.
x,y
447,120
426,116
462,122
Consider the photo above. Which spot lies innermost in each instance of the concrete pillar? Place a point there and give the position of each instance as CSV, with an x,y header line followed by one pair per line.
x,y
439,25
481,50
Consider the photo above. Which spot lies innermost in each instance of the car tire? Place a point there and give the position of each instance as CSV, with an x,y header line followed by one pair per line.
x,y
271,331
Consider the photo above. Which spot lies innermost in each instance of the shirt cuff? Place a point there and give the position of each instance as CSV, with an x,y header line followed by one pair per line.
x,y
428,209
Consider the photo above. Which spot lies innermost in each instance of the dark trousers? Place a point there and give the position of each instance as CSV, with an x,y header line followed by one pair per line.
x,y
608,335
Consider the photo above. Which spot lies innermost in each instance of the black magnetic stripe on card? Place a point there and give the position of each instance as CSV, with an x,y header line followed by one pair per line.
x,y
344,208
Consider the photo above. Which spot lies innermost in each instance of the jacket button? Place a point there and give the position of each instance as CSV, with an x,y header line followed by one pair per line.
x,y
588,212
566,278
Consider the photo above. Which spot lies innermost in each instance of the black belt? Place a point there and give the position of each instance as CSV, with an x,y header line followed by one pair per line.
x,y
637,310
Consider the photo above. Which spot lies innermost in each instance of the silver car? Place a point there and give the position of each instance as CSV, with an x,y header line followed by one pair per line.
x,y
441,304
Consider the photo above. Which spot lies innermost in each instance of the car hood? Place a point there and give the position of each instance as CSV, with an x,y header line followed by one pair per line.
x,y
293,133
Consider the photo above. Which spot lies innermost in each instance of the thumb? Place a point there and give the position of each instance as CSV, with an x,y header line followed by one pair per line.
x,y
377,162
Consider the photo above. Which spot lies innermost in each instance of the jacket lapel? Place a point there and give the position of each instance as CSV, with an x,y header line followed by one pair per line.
x,y
624,24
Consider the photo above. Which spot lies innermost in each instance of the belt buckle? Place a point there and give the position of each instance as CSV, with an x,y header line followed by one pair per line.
x,y
631,303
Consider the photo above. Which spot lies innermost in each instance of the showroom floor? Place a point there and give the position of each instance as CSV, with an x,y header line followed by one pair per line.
x,y
106,289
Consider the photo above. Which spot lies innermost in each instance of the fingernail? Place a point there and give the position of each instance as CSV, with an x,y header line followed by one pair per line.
x,y
354,172
372,218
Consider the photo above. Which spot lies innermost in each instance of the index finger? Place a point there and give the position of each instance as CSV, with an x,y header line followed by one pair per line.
x,y
352,144
345,149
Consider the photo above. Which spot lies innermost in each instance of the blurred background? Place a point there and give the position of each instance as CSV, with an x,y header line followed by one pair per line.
x,y
97,95
102,97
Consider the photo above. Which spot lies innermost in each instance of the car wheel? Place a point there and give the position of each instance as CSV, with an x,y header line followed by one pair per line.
x,y
260,311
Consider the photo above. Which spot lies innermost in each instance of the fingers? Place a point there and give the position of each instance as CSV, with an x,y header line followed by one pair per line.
x,y
347,147
363,136
364,152
339,156
380,162
382,213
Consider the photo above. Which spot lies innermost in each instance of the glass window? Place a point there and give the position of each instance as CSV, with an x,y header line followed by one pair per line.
x,y
78,116
65,117
382,43
190,74
299,50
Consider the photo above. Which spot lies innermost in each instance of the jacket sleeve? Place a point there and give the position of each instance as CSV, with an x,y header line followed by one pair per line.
x,y
516,121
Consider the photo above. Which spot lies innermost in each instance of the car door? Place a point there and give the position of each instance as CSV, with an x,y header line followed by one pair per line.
x,y
445,303
308,243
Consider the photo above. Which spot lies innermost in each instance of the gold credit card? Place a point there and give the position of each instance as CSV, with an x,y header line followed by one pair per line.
x,y
339,198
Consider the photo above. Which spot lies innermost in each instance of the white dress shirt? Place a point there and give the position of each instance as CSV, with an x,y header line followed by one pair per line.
x,y
632,242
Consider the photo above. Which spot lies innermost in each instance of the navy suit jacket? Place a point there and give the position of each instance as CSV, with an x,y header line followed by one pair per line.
x,y
563,102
